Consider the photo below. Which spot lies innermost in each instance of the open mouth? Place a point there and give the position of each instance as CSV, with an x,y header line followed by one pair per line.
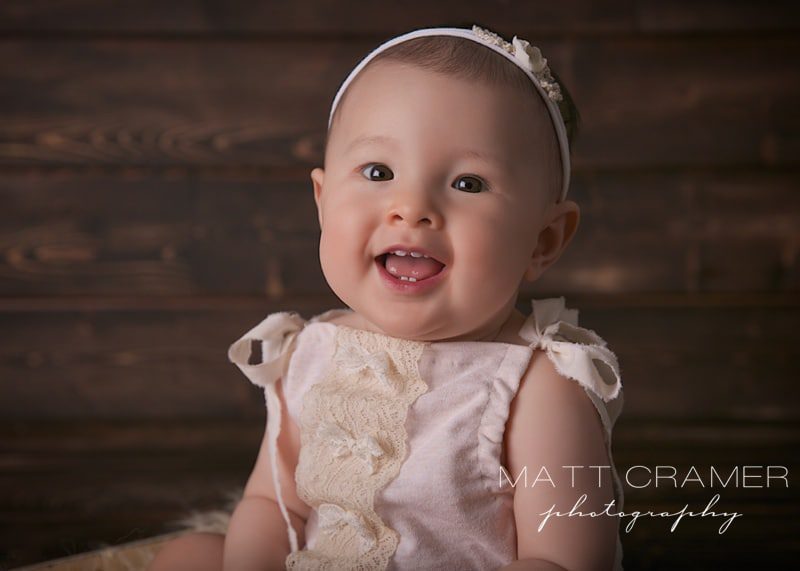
x,y
409,266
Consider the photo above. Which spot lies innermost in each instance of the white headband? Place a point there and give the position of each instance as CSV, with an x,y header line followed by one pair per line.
x,y
528,58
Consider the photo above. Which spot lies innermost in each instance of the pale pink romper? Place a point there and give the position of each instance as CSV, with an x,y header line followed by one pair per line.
x,y
402,441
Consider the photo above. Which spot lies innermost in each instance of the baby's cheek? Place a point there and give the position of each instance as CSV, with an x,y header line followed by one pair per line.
x,y
343,255
478,261
332,254
486,263
488,249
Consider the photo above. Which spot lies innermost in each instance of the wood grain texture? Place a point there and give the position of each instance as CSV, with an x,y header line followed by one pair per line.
x,y
328,17
265,103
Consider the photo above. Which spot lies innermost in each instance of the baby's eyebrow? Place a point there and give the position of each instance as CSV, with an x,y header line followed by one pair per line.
x,y
484,156
392,142
371,140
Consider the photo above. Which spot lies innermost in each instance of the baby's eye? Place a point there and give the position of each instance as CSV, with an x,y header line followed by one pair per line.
x,y
471,184
378,171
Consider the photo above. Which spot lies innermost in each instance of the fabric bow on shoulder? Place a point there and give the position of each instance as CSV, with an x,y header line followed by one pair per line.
x,y
576,352
273,336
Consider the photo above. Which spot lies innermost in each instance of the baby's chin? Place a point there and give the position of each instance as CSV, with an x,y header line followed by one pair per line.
x,y
409,324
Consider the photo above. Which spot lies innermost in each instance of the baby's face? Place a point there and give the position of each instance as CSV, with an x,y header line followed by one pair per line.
x,y
398,173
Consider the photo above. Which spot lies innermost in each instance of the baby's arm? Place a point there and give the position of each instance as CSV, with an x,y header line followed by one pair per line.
x,y
257,538
553,423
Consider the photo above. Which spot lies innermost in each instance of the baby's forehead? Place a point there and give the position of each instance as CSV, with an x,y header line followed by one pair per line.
x,y
399,94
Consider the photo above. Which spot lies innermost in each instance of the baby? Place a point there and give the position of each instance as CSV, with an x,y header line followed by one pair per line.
x,y
432,425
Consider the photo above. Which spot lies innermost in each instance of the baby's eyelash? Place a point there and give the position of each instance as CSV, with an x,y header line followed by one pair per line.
x,y
483,181
487,186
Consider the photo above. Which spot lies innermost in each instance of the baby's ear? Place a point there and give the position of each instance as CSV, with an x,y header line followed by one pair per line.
x,y
317,178
558,231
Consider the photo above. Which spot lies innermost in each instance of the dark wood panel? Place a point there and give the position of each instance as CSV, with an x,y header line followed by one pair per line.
x,y
119,365
716,15
705,362
152,474
318,17
646,102
686,101
248,16
74,487
252,234
676,362
689,231
84,235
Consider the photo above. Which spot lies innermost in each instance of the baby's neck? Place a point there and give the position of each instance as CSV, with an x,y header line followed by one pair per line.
x,y
507,332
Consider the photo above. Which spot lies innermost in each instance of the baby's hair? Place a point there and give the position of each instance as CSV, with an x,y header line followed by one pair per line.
x,y
465,59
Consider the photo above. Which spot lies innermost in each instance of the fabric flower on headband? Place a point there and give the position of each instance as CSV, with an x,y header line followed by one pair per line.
x,y
529,57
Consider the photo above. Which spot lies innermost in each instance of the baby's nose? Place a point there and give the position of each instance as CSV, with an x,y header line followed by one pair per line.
x,y
414,206
415,212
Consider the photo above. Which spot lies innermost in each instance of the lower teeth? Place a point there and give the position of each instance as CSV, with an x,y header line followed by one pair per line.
x,y
401,278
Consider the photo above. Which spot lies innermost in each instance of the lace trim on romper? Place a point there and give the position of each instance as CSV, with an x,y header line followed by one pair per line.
x,y
353,443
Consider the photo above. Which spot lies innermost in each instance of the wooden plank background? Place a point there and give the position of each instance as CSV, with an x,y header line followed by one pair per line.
x,y
155,202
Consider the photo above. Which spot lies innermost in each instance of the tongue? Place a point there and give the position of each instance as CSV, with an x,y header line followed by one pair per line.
x,y
409,266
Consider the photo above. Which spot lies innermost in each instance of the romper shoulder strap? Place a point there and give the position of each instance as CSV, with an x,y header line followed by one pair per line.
x,y
576,352
262,354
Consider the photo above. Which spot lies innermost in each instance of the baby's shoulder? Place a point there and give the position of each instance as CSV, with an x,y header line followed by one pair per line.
x,y
550,406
